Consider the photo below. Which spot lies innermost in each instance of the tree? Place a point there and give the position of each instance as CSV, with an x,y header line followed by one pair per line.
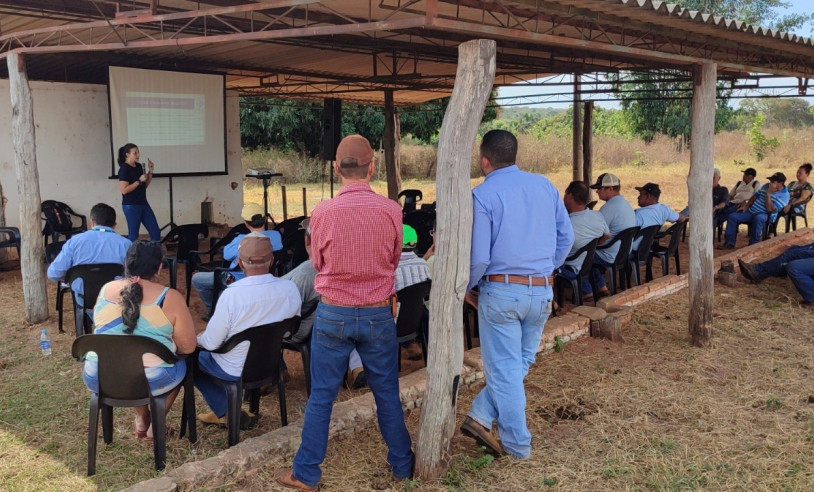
x,y
758,12
783,113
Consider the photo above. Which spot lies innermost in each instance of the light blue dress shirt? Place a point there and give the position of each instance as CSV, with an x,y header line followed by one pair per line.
x,y
520,226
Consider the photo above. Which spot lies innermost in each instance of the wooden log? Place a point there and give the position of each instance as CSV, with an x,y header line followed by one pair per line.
x,y
28,187
453,236
576,139
304,202
285,202
701,275
609,328
588,145
389,144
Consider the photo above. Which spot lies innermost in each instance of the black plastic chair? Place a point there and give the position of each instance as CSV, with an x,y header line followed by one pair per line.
x,y
293,244
411,199
94,277
304,348
408,323
122,383
195,262
186,238
12,239
423,221
51,253
591,205
60,220
791,217
584,272
663,253
620,263
262,367
641,256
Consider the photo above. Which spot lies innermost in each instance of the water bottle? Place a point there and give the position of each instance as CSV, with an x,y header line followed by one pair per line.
x,y
45,343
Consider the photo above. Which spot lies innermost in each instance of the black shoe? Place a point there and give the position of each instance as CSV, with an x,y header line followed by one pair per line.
x,y
748,272
726,246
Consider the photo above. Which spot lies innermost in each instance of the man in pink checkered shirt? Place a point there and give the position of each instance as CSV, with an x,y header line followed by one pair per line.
x,y
356,241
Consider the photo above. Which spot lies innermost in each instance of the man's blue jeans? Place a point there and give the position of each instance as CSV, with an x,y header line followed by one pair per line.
x,y
801,273
511,319
138,214
776,267
337,330
214,394
598,273
204,283
755,221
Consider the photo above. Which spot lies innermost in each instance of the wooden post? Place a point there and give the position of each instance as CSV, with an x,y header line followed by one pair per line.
x,y
285,203
473,83
389,144
588,143
576,140
701,276
28,188
304,202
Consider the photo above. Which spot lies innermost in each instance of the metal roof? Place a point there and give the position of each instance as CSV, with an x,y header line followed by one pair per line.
x,y
355,49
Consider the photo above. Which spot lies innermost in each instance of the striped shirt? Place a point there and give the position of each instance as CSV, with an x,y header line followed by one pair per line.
x,y
412,270
779,198
355,246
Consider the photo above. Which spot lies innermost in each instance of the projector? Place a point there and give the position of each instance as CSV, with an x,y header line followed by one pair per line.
x,y
261,173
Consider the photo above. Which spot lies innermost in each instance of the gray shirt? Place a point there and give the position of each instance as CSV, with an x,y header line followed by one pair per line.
x,y
303,277
619,216
588,225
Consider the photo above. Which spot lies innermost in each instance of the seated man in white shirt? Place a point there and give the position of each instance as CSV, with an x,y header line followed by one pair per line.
x,y
258,298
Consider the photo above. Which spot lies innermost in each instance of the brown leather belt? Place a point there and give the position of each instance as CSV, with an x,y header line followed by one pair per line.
x,y
520,279
384,303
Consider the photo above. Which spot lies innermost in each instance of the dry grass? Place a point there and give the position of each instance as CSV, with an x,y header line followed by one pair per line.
x,y
652,413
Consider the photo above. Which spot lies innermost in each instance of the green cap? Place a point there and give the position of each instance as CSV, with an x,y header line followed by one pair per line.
x,y
410,237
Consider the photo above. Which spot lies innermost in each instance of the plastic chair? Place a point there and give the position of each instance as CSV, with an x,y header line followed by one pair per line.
x,y
791,217
195,261
60,220
293,244
122,383
262,367
620,263
591,205
641,256
51,253
304,348
584,273
186,238
408,323
94,277
411,198
674,232
12,238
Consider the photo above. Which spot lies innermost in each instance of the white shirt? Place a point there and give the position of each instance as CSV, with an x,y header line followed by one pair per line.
x,y
248,302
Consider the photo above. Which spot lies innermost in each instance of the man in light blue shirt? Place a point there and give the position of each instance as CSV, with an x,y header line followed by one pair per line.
x,y
254,217
619,216
587,224
101,244
651,212
763,206
520,234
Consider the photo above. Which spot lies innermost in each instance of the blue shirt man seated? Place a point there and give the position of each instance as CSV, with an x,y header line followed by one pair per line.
x,y
100,244
651,212
587,224
255,218
763,206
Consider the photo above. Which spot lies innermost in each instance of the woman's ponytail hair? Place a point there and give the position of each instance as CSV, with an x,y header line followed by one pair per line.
x,y
143,261
123,151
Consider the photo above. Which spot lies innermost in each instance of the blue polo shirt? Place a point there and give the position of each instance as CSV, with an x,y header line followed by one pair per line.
x,y
98,245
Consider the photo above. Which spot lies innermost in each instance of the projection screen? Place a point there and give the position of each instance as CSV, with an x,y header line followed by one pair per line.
x,y
175,118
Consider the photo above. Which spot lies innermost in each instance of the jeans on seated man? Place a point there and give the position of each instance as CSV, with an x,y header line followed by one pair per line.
x,y
797,262
255,219
256,299
763,206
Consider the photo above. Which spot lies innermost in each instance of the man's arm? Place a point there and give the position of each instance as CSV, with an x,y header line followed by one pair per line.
x,y
481,243
217,329
62,263
565,232
770,208
230,250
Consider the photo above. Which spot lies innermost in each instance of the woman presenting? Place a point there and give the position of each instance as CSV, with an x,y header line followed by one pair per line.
x,y
133,183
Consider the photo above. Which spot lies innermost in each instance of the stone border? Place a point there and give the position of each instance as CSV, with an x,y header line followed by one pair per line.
x,y
244,459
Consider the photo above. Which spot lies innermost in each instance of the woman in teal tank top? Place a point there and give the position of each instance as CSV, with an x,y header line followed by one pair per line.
x,y
139,305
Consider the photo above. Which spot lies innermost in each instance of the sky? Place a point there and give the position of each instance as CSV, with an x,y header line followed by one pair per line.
x,y
545,96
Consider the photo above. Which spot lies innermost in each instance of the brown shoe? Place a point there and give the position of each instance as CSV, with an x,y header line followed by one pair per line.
x,y
356,378
748,272
481,435
603,292
413,351
807,305
286,478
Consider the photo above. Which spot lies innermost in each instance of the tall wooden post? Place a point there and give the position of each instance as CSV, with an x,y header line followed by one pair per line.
x,y
588,143
576,153
389,144
28,188
453,236
701,278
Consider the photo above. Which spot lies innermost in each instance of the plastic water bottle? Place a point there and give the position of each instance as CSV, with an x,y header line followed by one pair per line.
x,y
45,343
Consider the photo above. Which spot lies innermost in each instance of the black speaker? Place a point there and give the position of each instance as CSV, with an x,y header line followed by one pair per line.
x,y
331,128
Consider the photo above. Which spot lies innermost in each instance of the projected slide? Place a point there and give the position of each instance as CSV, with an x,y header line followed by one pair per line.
x,y
175,118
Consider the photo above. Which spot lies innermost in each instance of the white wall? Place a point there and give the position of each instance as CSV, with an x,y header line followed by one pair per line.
x,y
74,159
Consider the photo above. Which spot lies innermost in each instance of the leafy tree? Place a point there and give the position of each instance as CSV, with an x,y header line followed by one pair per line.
x,y
784,113
760,143
758,12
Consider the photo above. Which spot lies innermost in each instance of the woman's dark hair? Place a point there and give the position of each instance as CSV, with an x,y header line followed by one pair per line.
x,y
123,151
807,168
143,260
